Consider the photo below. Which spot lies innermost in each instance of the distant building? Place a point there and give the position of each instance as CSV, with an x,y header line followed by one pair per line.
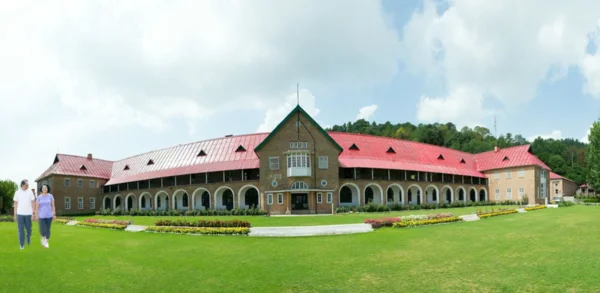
x,y
297,168
585,190
561,186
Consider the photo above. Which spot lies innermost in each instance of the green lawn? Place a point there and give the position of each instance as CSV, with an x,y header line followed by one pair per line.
x,y
262,221
551,250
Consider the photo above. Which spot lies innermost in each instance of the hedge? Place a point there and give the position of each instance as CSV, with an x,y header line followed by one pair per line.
x,y
204,223
199,230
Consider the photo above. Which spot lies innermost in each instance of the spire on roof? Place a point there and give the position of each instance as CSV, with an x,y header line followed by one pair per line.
x,y
56,160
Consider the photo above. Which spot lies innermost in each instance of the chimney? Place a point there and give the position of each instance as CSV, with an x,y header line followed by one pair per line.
x,y
89,157
495,149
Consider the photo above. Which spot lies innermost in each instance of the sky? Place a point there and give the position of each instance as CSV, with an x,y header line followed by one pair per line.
x,y
119,78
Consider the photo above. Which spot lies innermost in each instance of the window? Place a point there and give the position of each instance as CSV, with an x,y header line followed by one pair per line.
x,y
67,182
92,184
323,162
497,194
329,197
508,193
269,198
295,160
280,198
92,203
80,203
80,183
542,173
298,145
542,191
521,173
521,192
507,175
299,185
67,203
273,163
556,191
496,175
319,197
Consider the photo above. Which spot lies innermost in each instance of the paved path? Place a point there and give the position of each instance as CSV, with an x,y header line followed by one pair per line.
x,y
469,218
135,228
309,230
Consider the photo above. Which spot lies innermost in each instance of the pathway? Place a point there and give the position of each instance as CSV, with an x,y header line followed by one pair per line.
x,y
309,230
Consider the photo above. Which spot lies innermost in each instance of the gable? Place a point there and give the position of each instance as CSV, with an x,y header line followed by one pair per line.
x,y
291,121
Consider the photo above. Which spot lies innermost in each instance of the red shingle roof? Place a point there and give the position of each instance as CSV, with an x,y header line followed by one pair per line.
x,y
554,176
508,157
220,154
79,166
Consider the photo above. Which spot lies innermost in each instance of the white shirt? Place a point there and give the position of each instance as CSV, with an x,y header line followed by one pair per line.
x,y
24,198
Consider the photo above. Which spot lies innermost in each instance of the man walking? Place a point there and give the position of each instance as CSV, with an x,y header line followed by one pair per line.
x,y
24,210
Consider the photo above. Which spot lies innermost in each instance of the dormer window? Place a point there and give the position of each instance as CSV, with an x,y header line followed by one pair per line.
x,y
151,162
462,161
353,147
440,157
83,168
391,151
126,167
240,149
505,158
201,153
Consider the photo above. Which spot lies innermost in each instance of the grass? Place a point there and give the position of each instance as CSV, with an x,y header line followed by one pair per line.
x,y
550,250
262,221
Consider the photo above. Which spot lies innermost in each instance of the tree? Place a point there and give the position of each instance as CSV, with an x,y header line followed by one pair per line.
x,y
7,192
557,164
593,155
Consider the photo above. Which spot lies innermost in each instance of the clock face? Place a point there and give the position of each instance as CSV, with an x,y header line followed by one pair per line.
x,y
323,182
274,183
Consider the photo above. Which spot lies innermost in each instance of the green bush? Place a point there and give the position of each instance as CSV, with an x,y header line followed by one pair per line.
x,y
564,204
234,212
373,207
6,219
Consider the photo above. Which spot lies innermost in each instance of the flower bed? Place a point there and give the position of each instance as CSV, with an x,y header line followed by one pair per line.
x,y
103,225
535,208
385,222
487,214
389,222
61,221
200,230
415,223
204,223
115,222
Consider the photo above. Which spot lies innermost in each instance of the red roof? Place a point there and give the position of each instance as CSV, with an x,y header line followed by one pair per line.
x,y
220,154
517,156
407,155
72,166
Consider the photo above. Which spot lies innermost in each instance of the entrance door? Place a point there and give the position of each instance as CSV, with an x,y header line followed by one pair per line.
x,y
299,201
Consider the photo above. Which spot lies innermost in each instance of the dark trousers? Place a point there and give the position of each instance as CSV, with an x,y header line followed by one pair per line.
x,y
45,224
23,224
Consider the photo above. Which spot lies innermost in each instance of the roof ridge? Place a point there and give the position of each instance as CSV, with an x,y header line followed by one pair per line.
x,y
83,157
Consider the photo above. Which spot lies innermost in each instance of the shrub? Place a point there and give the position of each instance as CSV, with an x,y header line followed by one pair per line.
x,y
372,207
415,223
535,208
6,219
200,230
99,221
564,204
385,222
65,218
204,223
103,225
235,212
61,221
493,213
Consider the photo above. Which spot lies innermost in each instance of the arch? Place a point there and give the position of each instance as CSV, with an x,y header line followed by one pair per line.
x,y
349,195
224,198
483,195
145,201
375,194
249,196
161,201
118,202
432,194
299,185
472,194
447,194
130,202
106,203
461,194
201,199
181,200
414,195
397,193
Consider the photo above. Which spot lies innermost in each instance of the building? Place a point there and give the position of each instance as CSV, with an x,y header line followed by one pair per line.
x,y
297,168
561,186
585,190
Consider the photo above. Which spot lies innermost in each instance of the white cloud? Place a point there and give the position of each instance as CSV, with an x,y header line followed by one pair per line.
x,y
74,72
275,114
481,50
555,134
366,112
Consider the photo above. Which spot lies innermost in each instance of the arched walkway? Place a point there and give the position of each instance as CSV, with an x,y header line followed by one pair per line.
x,y
201,199
462,194
248,197
472,194
447,194
415,195
483,195
161,201
224,198
373,193
181,200
395,194
130,202
118,203
432,194
349,195
107,203
146,202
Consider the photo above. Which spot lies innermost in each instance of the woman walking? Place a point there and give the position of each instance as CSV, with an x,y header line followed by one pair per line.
x,y
46,213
